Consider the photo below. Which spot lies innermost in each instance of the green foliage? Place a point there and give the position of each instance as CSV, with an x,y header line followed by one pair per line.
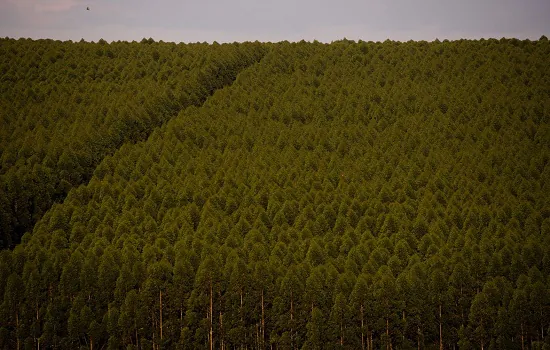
x,y
351,195
65,106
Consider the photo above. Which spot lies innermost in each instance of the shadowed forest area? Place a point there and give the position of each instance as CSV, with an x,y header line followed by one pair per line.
x,y
352,195
65,106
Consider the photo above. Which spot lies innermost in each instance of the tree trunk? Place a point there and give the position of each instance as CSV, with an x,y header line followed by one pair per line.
x,y
211,320
221,330
461,307
482,334
440,330
362,330
242,316
160,312
154,328
369,338
291,321
241,309
387,334
17,328
263,322
91,343
37,321
371,341
541,326
404,326
522,344
222,337
341,334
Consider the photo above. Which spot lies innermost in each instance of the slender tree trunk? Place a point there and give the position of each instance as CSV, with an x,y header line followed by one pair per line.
x,y
222,346
541,326
461,307
440,330
17,328
241,309
211,320
263,321
91,343
369,336
341,334
257,336
404,321
387,333
522,343
160,312
371,341
291,321
418,337
362,330
154,329
241,314
37,321
222,336
482,335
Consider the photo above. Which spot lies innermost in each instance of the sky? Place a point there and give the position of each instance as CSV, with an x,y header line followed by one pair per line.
x,y
274,20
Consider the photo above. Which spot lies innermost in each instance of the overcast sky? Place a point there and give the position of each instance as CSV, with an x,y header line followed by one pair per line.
x,y
273,20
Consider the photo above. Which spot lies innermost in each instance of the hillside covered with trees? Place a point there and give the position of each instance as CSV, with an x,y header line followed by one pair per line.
x,y
65,106
333,196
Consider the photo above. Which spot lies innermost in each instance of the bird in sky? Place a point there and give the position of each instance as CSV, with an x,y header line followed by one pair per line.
x,y
87,9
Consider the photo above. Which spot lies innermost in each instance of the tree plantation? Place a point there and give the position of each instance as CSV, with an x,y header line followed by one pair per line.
x,y
352,195
65,106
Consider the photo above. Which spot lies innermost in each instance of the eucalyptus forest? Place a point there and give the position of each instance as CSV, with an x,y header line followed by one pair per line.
x,y
351,195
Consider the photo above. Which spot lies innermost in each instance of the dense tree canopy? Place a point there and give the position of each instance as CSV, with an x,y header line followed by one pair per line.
x,y
346,195
65,106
